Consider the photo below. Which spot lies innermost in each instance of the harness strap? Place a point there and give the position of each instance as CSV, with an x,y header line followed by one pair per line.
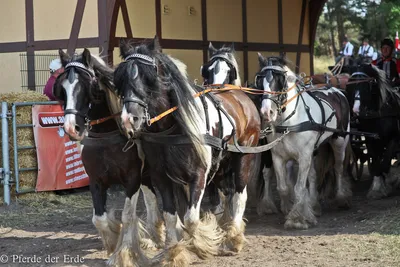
x,y
101,120
104,139
211,141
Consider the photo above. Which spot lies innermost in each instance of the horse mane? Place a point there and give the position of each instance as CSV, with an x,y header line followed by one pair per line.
x,y
231,55
386,90
171,77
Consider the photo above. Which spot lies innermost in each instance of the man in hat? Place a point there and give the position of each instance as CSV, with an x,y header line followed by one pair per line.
x,y
55,70
365,52
388,63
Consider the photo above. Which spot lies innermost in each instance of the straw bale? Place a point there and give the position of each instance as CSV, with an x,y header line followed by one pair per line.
x,y
26,158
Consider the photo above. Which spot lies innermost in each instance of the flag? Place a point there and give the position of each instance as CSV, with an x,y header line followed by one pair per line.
x,y
397,41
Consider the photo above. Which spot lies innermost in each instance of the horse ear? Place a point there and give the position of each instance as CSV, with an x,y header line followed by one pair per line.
x,y
123,48
155,45
211,49
64,57
87,58
261,59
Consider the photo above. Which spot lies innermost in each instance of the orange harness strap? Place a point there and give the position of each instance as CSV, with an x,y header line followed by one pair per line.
x,y
98,121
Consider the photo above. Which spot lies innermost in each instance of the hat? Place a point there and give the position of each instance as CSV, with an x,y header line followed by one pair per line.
x,y
55,64
388,42
345,39
365,40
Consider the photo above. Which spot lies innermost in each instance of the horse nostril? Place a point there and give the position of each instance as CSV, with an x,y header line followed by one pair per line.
x,y
135,119
77,128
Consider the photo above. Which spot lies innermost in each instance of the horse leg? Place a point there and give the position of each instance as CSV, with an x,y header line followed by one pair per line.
x,y
282,186
107,226
343,190
313,182
390,179
378,189
267,204
301,214
242,165
155,224
205,234
128,249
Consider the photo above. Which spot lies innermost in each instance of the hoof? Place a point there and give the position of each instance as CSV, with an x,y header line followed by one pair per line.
x,y
296,224
266,207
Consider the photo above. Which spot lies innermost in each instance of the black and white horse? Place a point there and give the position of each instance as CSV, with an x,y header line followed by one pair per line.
x,y
180,161
377,107
222,68
86,89
307,114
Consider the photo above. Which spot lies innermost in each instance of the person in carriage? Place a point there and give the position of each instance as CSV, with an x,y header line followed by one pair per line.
x,y
388,63
346,52
365,52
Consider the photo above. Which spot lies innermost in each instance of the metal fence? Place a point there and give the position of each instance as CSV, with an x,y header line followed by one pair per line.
x,y
10,177
42,71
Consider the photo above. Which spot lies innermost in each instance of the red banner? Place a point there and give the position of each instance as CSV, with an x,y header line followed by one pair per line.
x,y
59,159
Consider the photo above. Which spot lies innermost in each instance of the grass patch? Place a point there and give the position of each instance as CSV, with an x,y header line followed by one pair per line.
x,y
321,64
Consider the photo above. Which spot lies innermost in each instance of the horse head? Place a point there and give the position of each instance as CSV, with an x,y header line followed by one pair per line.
x,y
222,68
78,87
277,80
368,88
150,83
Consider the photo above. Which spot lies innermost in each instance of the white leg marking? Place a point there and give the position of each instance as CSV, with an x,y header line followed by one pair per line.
x,y
239,206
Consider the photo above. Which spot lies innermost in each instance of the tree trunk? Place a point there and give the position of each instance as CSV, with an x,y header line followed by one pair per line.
x,y
331,29
339,20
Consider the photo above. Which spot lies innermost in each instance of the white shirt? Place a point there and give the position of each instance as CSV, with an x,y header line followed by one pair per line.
x,y
367,50
348,49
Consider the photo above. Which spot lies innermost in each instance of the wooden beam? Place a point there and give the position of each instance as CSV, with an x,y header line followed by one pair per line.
x,y
63,43
30,47
125,17
158,19
204,29
103,29
300,40
114,5
13,47
245,47
199,45
76,26
280,23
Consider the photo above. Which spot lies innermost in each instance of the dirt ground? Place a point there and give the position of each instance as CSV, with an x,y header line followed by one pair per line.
x,y
57,231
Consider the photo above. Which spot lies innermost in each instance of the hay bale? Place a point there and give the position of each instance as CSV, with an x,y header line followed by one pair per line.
x,y
26,158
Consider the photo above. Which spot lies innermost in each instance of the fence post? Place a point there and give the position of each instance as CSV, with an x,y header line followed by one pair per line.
x,y
6,158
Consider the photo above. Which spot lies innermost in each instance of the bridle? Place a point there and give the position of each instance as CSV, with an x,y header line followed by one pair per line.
x,y
279,97
232,73
147,60
71,67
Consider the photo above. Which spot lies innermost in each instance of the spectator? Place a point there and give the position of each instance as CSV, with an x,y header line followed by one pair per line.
x,y
55,70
